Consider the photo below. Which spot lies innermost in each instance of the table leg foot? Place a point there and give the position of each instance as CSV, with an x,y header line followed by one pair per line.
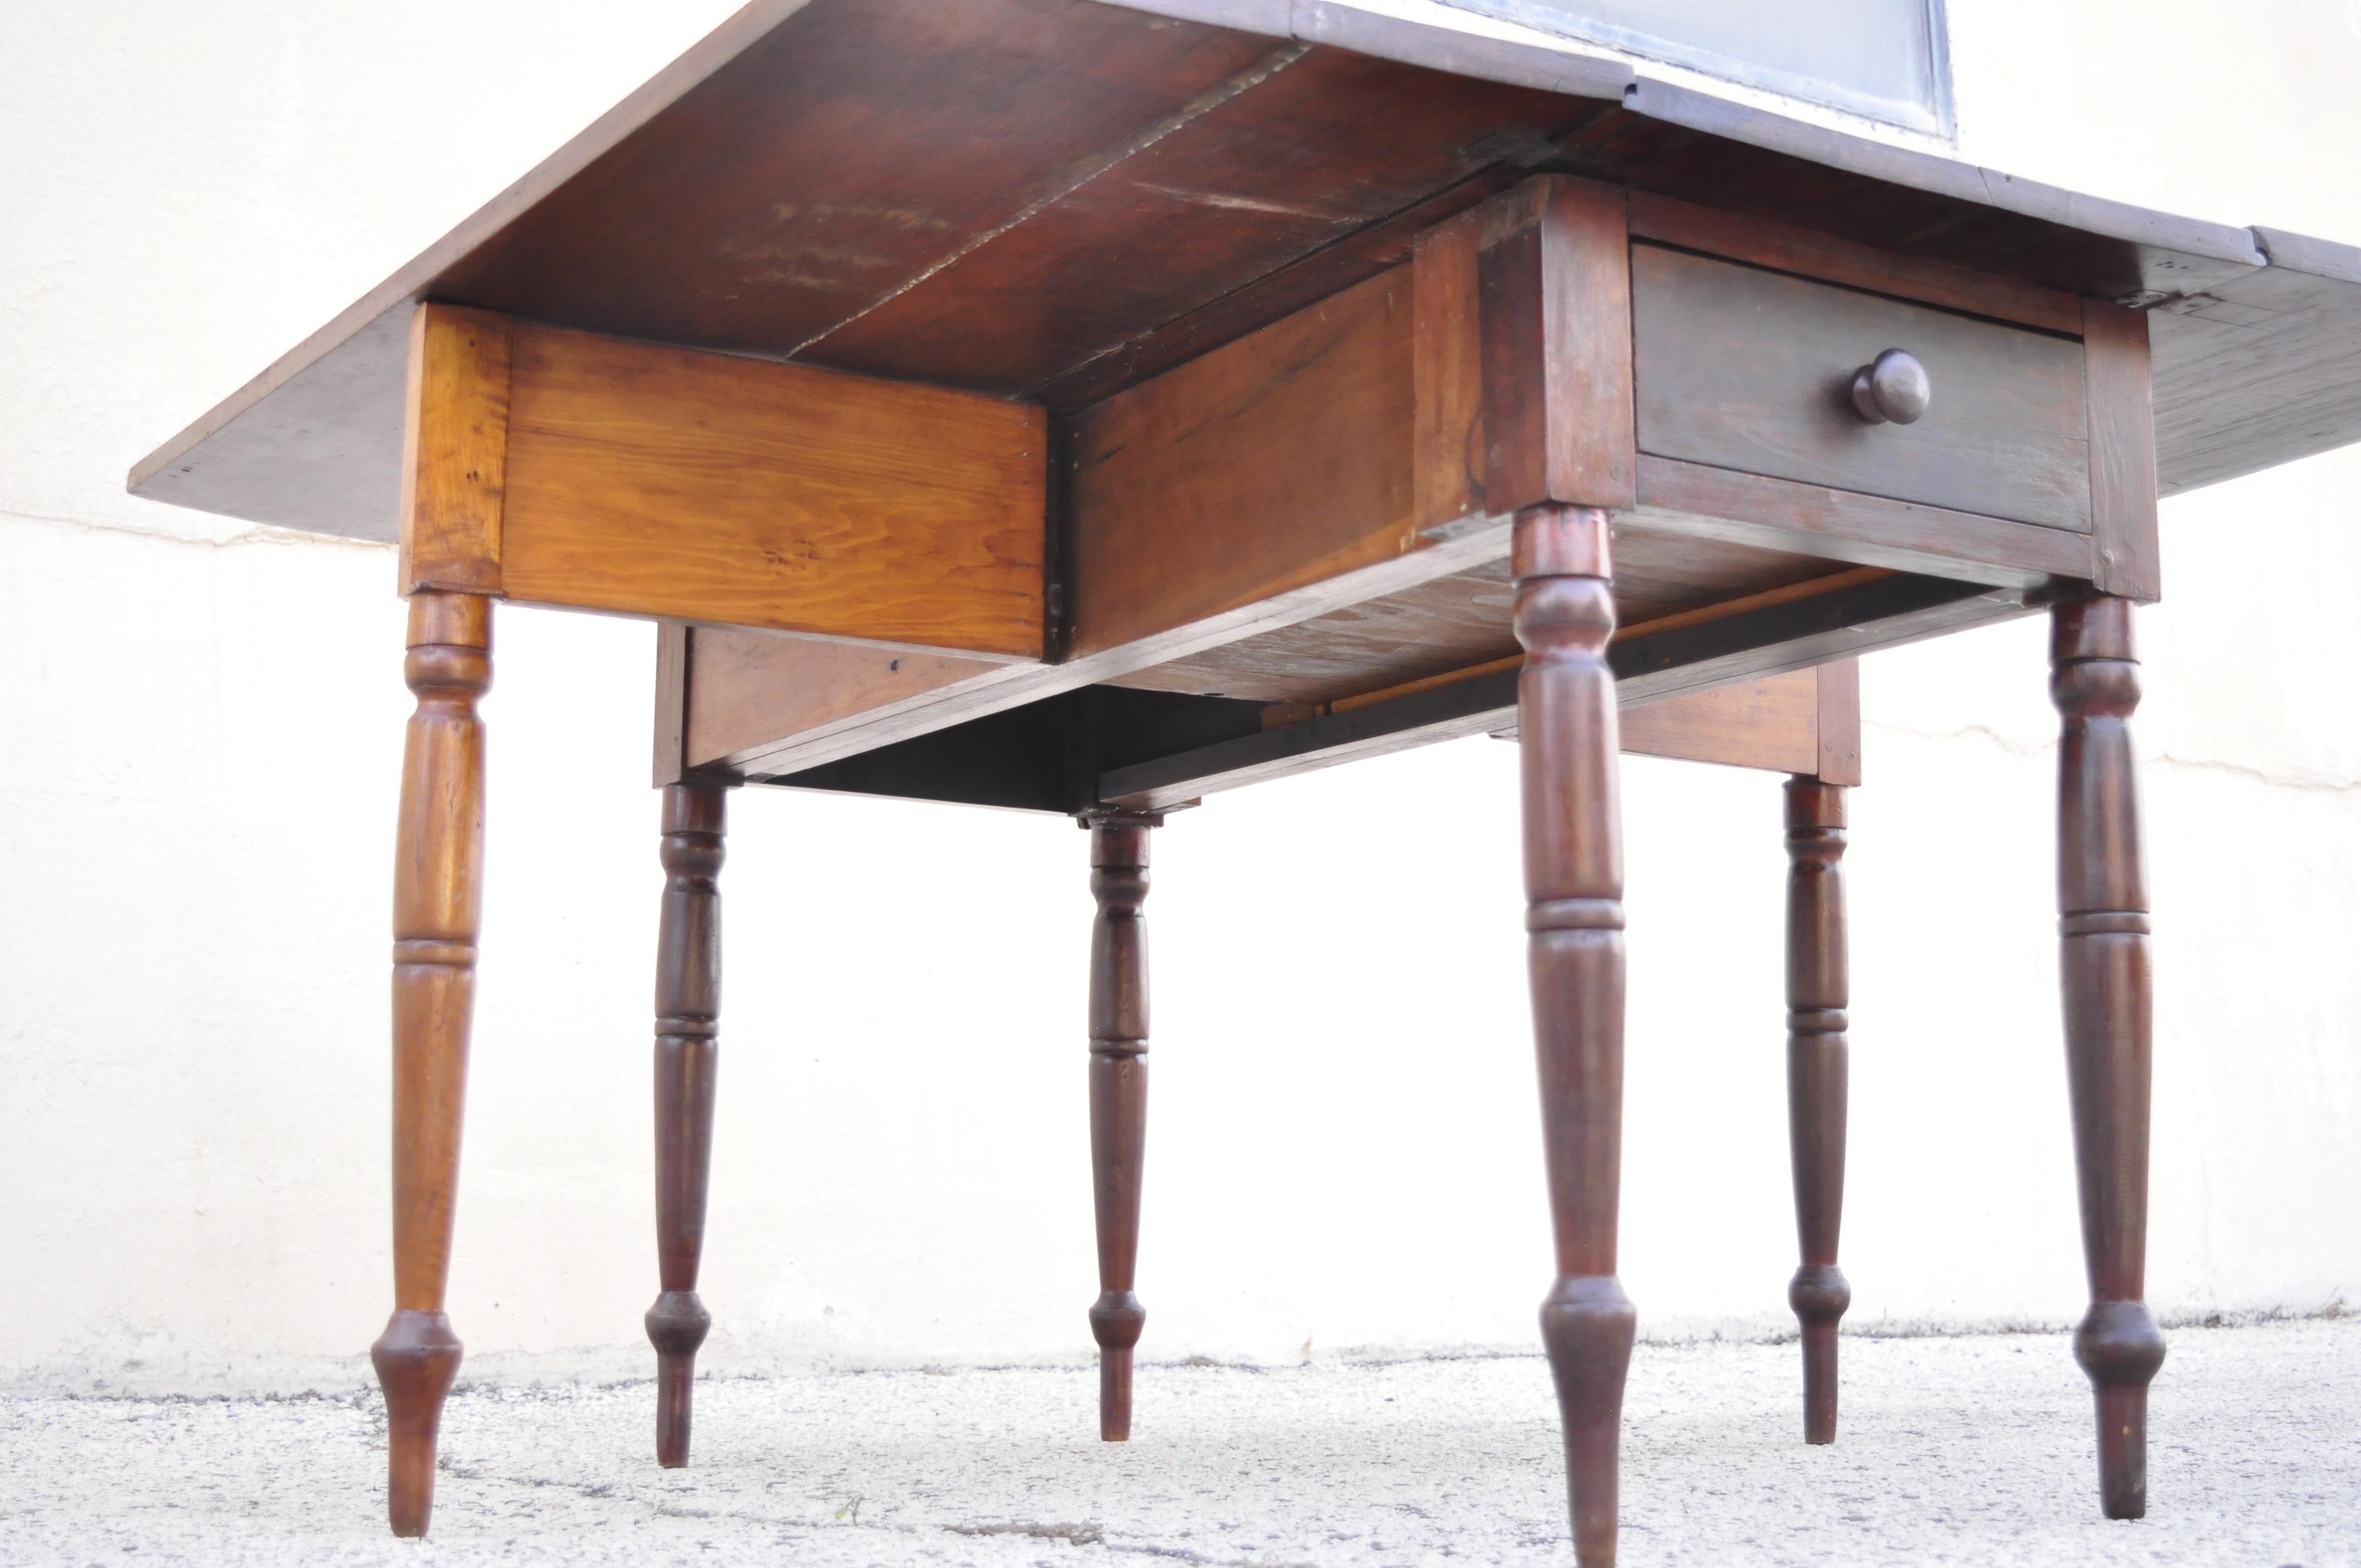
x,y
2107,988
416,1359
1574,890
689,1011
1817,1068
437,903
1118,1020
1587,1327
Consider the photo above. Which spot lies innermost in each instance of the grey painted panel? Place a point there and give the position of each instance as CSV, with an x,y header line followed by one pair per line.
x,y
1885,59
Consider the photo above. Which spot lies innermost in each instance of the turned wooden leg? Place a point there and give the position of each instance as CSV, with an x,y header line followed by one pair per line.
x,y
688,1009
2104,976
1574,892
437,898
1118,1094
1815,1082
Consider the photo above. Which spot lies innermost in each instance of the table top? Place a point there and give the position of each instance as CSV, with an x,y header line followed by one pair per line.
x,y
1052,202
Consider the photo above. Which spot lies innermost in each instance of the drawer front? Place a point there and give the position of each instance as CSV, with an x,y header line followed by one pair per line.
x,y
1752,370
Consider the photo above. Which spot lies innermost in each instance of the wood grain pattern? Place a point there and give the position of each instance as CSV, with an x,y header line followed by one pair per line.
x,y
1743,368
667,482
1703,146
1839,690
1015,687
1777,633
1806,722
1118,1034
2128,562
1818,1068
2256,370
1574,913
437,912
1231,189
1448,448
454,450
1716,231
811,163
1428,628
687,1047
1555,273
1887,611
1773,723
751,690
1328,270
1453,622
1700,502
2107,984
853,151
1274,463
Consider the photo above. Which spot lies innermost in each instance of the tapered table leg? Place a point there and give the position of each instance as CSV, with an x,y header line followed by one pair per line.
x,y
688,1011
1816,1070
438,899
1574,890
2104,974
1118,1019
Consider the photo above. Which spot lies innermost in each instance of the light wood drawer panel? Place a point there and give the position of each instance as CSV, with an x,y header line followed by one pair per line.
x,y
1751,371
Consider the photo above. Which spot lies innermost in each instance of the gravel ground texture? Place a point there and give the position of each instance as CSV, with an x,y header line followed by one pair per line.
x,y
1974,1449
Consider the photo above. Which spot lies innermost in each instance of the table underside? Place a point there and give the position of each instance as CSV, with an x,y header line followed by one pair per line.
x,y
1055,209
1052,201
1080,407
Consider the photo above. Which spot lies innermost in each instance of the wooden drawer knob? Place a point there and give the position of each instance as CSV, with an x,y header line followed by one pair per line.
x,y
1892,387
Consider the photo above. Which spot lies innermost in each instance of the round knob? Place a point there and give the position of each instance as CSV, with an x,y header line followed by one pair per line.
x,y
1893,387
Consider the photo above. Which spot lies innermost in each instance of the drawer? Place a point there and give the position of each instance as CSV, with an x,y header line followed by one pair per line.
x,y
1748,370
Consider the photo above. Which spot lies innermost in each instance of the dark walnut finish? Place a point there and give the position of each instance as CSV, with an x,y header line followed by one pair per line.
x,y
1574,912
689,1015
437,909
836,181
1118,1023
1578,355
2104,972
1818,1067
1083,408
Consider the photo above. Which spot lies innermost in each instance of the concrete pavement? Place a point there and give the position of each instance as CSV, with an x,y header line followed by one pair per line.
x,y
1973,1449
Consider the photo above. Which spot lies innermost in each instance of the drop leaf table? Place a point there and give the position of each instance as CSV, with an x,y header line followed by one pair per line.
x,y
1087,407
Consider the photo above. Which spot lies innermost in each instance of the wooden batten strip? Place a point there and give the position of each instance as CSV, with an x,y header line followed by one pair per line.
x,y
1768,640
1788,595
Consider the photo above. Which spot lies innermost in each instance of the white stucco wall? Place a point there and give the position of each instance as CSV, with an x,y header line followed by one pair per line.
x,y
199,725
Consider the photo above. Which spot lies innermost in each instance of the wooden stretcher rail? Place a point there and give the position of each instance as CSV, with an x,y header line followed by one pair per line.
x,y
1795,634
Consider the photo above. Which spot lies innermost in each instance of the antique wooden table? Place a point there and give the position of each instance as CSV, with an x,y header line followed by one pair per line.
x,y
1088,407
